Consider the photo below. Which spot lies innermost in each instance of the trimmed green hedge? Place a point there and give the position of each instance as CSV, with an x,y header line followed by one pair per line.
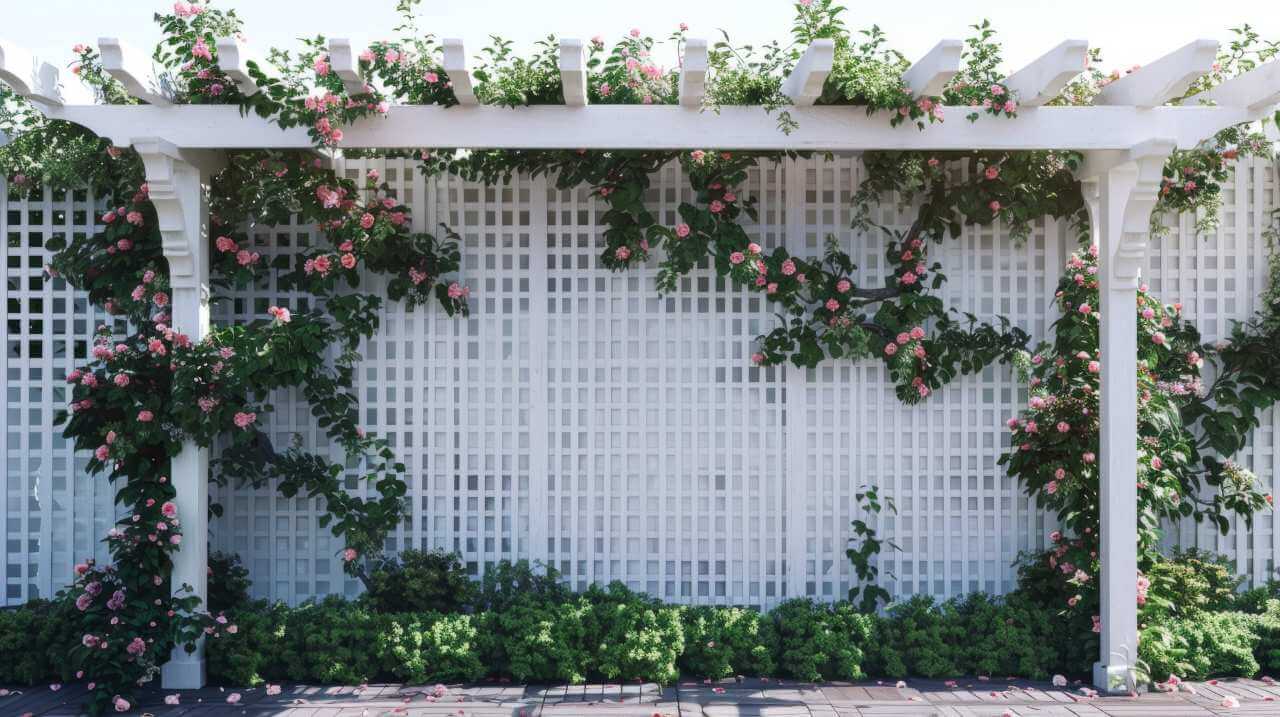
x,y
614,634
604,633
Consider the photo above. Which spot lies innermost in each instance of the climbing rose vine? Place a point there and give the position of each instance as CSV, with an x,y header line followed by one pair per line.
x,y
1190,422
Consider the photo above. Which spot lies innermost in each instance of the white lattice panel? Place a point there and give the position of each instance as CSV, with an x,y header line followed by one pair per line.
x,y
1219,279
579,419
54,514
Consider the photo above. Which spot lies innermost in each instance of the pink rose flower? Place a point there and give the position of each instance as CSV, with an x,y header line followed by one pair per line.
x,y
281,315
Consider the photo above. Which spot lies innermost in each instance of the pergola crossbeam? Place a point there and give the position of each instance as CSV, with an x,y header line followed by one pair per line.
x,y
17,68
232,61
693,73
455,65
573,72
931,73
1044,78
1164,79
804,85
342,62
1256,89
132,68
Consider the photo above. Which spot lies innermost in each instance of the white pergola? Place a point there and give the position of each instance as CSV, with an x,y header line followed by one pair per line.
x,y
1126,136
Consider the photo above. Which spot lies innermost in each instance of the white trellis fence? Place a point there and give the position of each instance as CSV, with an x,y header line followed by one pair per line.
x,y
645,495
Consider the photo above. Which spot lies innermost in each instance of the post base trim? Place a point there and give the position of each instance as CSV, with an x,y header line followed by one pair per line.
x,y
183,671
1114,679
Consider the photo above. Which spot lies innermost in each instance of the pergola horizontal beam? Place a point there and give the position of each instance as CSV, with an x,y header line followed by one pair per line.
x,y
835,128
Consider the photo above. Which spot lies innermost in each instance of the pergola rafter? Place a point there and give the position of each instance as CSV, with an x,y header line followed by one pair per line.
x,y
1126,138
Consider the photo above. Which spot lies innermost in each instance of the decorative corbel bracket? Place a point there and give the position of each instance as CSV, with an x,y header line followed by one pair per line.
x,y
1121,189
178,184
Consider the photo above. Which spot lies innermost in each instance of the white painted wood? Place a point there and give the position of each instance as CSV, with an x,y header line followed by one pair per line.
x,y
928,76
804,85
1162,80
1044,78
132,68
233,60
573,72
342,61
1120,200
455,64
48,88
1256,89
17,68
693,73
833,128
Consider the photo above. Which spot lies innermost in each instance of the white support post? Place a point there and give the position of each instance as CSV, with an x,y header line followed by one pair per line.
x,y
178,183
1121,191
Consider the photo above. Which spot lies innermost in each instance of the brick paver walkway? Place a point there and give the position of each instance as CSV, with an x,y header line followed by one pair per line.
x,y
970,697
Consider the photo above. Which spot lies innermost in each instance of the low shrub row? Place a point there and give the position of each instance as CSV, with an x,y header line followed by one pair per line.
x,y
419,623
615,634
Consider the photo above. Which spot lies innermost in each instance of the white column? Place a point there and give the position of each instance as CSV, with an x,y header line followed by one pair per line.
x,y
1120,190
178,183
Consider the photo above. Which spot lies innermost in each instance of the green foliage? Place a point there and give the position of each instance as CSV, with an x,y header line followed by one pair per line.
x,y
723,642
638,638
821,642
1188,583
1267,627
865,546
1255,600
918,639
254,653
507,583
430,647
502,78
543,641
228,582
1203,645
419,581
330,641
34,641
1006,636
